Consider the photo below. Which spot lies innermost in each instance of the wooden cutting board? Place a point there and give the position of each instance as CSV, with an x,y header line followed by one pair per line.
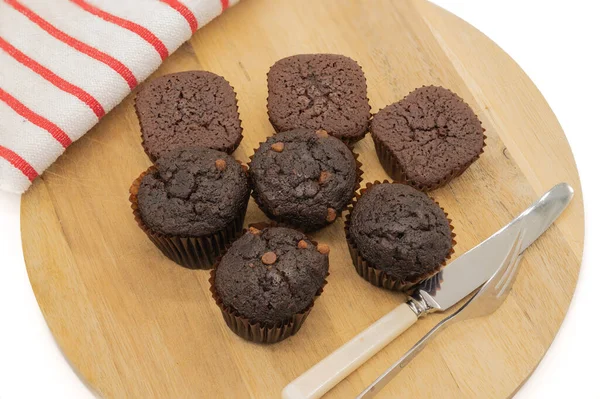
x,y
135,325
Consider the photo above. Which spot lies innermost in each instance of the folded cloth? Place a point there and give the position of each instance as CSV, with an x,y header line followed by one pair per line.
x,y
65,63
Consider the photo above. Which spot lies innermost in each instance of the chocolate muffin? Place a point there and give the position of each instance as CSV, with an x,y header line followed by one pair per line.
x,y
303,178
192,108
267,282
319,91
192,204
397,235
428,138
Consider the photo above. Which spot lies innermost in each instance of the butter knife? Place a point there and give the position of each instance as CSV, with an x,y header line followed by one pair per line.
x,y
456,281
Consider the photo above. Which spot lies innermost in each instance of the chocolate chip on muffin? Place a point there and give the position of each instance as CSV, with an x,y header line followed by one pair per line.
x,y
195,196
319,91
302,179
269,280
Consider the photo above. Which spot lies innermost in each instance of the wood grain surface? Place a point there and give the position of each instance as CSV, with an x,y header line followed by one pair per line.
x,y
135,325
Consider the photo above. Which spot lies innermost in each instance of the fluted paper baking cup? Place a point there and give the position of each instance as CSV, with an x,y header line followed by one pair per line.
x,y
190,252
393,168
259,332
229,150
370,272
349,141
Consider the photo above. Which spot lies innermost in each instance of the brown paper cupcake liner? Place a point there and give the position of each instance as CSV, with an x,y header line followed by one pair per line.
x,y
254,331
190,252
396,172
349,141
298,226
229,150
372,274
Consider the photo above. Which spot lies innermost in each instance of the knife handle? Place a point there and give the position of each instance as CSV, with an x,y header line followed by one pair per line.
x,y
326,374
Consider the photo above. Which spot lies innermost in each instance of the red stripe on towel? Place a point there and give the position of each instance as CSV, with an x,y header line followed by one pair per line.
x,y
53,78
112,62
139,30
15,160
185,13
36,119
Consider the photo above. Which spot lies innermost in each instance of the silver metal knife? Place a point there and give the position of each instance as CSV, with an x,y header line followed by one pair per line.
x,y
437,294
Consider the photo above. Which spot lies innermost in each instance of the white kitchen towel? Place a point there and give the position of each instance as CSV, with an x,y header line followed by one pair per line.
x,y
65,63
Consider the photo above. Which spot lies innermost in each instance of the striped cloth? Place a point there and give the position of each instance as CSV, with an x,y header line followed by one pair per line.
x,y
65,63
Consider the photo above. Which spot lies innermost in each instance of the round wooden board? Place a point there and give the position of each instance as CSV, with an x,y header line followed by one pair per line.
x,y
136,325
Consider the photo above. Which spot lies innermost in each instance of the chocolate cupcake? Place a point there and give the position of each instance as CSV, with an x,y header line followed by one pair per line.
x,y
397,236
319,91
428,138
303,178
266,283
193,108
192,204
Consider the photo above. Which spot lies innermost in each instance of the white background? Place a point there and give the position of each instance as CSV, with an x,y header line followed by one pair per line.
x,y
558,45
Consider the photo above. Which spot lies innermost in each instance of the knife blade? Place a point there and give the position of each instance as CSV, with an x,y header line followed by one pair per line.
x,y
475,267
438,293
